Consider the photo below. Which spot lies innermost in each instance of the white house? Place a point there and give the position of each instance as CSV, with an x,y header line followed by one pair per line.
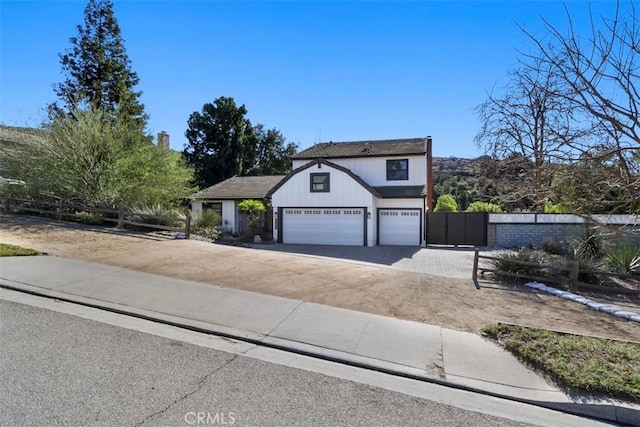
x,y
361,193
225,196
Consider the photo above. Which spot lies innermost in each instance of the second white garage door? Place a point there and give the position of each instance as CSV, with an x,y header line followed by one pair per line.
x,y
323,226
399,227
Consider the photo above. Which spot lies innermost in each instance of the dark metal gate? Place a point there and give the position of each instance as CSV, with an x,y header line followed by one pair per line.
x,y
457,228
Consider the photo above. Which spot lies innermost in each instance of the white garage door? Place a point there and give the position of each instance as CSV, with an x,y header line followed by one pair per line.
x,y
399,227
336,226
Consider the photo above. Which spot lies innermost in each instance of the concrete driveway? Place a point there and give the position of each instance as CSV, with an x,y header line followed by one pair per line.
x,y
436,260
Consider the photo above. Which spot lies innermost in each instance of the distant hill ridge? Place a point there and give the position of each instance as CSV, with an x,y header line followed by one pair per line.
x,y
16,134
456,165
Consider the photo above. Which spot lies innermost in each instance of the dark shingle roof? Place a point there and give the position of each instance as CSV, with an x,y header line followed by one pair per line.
x,y
240,187
389,147
402,192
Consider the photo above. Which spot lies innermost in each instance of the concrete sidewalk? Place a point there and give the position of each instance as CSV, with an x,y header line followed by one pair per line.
x,y
394,346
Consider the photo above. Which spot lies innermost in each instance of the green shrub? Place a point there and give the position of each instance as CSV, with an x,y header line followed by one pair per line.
x,y
206,224
254,210
554,209
212,233
589,247
624,259
89,218
508,263
14,250
484,207
446,203
588,251
207,218
553,247
95,159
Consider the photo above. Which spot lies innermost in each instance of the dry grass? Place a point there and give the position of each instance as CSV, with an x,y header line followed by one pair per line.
x,y
576,362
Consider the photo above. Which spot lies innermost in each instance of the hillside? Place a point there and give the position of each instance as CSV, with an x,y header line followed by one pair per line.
x,y
11,138
482,179
14,134
455,165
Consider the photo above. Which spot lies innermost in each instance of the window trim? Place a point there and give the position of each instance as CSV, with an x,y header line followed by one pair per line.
x,y
406,161
327,182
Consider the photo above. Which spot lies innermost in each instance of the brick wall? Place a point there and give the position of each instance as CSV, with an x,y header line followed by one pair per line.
x,y
511,235
521,230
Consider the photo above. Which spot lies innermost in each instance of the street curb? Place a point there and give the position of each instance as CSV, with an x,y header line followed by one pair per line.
x,y
610,412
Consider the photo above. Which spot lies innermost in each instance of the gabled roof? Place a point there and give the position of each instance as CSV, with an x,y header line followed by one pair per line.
x,y
388,147
332,165
240,187
402,192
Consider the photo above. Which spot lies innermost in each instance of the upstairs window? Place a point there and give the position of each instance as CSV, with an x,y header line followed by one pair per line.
x,y
319,182
398,170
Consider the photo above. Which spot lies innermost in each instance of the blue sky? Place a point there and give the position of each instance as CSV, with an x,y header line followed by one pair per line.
x,y
317,71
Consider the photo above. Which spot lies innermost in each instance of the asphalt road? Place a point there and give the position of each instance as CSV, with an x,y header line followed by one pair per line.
x,y
61,369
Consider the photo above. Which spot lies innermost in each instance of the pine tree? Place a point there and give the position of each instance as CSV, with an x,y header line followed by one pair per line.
x,y
97,69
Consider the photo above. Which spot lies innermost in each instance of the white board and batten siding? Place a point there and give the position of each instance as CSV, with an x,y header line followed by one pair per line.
x,y
343,190
373,170
348,214
336,217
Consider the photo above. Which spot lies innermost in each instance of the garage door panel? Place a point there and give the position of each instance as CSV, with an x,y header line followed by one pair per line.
x,y
339,226
400,227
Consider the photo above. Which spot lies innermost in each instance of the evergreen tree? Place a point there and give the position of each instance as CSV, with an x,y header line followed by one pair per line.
x,y
224,143
272,153
97,70
221,141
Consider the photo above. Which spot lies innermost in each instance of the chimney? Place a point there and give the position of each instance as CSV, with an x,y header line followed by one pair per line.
x,y
429,174
163,140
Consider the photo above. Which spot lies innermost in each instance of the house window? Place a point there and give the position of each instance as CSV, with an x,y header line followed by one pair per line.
x,y
319,182
215,207
398,170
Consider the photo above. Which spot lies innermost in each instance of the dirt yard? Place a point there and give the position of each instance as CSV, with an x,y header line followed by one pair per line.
x,y
448,302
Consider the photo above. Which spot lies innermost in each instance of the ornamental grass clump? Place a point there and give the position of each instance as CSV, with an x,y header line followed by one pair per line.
x,y
206,224
624,259
157,214
509,264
